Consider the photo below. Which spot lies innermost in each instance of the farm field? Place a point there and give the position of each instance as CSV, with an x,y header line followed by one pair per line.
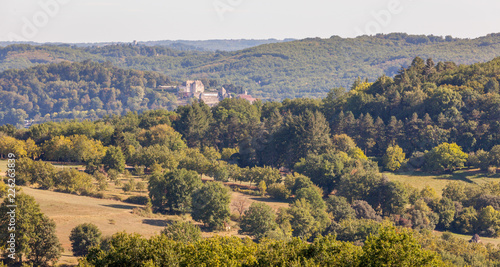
x,y
110,216
486,240
3,166
113,216
420,180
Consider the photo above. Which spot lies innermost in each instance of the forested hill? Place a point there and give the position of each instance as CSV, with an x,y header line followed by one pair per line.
x,y
85,90
302,68
195,45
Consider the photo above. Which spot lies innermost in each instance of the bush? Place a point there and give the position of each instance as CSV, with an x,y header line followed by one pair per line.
x,y
139,200
248,192
101,181
262,188
416,160
113,174
228,152
83,237
140,186
492,170
278,191
183,232
365,211
139,170
3,189
234,217
258,220
339,208
130,186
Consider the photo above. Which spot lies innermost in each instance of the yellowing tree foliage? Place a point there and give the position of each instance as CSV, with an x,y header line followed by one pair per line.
x,y
393,158
445,157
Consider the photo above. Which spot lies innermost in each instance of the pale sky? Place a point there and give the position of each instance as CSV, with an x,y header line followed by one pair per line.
x,y
149,20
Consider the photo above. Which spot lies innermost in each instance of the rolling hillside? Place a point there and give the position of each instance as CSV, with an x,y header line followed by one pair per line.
x,y
309,67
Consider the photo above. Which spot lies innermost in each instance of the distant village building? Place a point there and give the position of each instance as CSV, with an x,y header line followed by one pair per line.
x,y
192,88
475,239
224,94
196,89
210,99
28,123
248,98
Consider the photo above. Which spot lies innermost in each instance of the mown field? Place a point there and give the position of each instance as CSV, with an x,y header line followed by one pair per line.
x,y
3,166
438,181
112,215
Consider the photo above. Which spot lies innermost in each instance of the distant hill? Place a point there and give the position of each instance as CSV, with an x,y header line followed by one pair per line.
x,y
214,45
273,71
184,45
85,90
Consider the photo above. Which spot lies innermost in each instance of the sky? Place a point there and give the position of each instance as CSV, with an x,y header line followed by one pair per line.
x,y
87,21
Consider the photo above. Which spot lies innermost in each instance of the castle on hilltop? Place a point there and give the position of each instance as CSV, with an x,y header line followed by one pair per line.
x,y
196,89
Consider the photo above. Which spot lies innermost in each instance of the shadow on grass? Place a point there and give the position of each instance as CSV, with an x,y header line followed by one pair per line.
x,y
266,199
460,175
157,222
119,206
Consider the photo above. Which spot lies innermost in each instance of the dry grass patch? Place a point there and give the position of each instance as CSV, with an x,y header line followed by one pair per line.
x,y
109,215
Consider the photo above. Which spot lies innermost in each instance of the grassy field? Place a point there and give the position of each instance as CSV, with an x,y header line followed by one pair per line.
x,y
112,215
3,166
420,180
109,215
485,240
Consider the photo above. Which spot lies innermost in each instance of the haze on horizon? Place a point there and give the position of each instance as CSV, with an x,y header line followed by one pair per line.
x,y
85,21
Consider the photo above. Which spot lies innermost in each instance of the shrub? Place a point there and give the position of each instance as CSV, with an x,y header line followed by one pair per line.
x,y
278,191
365,211
262,188
339,208
139,170
258,220
445,157
83,237
393,158
183,232
234,217
130,186
139,200
140,186
113,174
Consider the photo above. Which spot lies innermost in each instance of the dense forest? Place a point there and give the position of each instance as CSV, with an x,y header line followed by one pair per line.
x,y
85,90
302,68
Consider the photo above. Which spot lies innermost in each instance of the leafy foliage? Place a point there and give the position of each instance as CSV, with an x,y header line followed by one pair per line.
x,y
83,237
182,232
211,204
258,220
